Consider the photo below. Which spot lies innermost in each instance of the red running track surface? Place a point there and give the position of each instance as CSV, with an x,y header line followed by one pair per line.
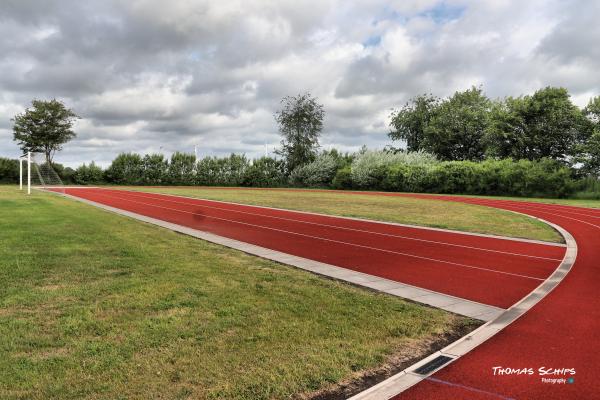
x,y
492,271
559,332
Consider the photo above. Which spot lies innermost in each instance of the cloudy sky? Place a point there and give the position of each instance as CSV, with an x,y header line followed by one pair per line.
x,y
158,76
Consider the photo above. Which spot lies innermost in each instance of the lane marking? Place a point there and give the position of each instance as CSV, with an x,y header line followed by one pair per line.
x,y
491,270
469,388
140,194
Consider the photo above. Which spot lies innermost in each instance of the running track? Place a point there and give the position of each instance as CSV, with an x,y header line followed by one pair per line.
x,y
559,332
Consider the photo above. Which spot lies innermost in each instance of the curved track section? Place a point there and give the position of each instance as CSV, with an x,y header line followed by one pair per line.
x,y
551,352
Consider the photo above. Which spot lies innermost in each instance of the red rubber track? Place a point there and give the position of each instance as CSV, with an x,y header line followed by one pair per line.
x,y
492,271
561,331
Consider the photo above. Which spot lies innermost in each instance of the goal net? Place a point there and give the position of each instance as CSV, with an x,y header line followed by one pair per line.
x,y
38,172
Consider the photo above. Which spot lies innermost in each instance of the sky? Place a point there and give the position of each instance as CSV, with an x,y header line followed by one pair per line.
x,y
154,76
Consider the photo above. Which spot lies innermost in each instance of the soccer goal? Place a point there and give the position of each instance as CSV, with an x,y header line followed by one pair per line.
x,y
36,171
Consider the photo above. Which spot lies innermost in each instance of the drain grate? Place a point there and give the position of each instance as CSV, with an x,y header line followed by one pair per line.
x,y
432,365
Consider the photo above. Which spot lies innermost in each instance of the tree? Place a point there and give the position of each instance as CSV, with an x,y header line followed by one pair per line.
x,y
182,168
264,172
155,168
544,125
126,168
457,127
300,123
409,122
44,127
88,174
588,152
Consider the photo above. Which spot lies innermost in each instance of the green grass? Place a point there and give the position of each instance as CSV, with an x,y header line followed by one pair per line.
x,y
98,306
432,213
590,203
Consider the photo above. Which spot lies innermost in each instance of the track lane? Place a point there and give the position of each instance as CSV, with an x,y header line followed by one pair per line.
x,y
356,250
549,253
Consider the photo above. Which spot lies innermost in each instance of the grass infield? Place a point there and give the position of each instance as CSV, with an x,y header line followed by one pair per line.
x,y
432,213
98,306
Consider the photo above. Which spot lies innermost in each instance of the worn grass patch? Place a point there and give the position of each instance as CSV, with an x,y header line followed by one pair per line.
x,y
98,306
432,213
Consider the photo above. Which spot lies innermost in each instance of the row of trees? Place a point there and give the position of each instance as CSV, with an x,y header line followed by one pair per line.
x,y
180,169
545,130
470,126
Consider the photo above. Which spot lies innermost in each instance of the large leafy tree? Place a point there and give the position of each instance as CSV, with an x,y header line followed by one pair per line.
x,y
155,168
456,129
300,123
409,122
588,151
126,168
44,127
544,125
182,168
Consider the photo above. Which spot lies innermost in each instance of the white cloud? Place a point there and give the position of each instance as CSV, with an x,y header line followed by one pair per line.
x,y
147,76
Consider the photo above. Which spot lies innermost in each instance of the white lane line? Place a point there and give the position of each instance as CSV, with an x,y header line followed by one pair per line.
x,y
334,241
344,228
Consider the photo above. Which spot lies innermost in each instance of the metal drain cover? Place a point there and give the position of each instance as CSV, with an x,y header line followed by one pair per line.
x,y
432,365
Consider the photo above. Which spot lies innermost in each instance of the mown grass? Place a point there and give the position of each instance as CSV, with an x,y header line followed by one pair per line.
x,y
432,213
98,306
582,202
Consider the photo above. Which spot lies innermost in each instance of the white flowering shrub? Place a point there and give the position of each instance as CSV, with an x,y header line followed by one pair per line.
x,y
369,167
318,173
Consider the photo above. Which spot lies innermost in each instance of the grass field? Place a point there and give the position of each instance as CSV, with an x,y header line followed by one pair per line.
x,y
439,214
97,306
565,202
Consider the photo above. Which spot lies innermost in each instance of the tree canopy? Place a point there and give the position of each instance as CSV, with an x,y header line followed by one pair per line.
x,y
300,123
458,125
44,127
544,125
409,122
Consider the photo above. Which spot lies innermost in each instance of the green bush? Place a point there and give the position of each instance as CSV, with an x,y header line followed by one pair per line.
x,y
588,189
181,169
264,172
545,178
319,173
370,168
342,178
89,174
126,169
9,170
227,171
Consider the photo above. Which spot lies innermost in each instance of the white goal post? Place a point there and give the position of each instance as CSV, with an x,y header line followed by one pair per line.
x,y
26,158
40,172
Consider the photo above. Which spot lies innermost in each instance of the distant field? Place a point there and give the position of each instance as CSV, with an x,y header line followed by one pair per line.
x,y
95,305
439,214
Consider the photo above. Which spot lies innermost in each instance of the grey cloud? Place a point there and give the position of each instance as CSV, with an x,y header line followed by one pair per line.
x,y
147,76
